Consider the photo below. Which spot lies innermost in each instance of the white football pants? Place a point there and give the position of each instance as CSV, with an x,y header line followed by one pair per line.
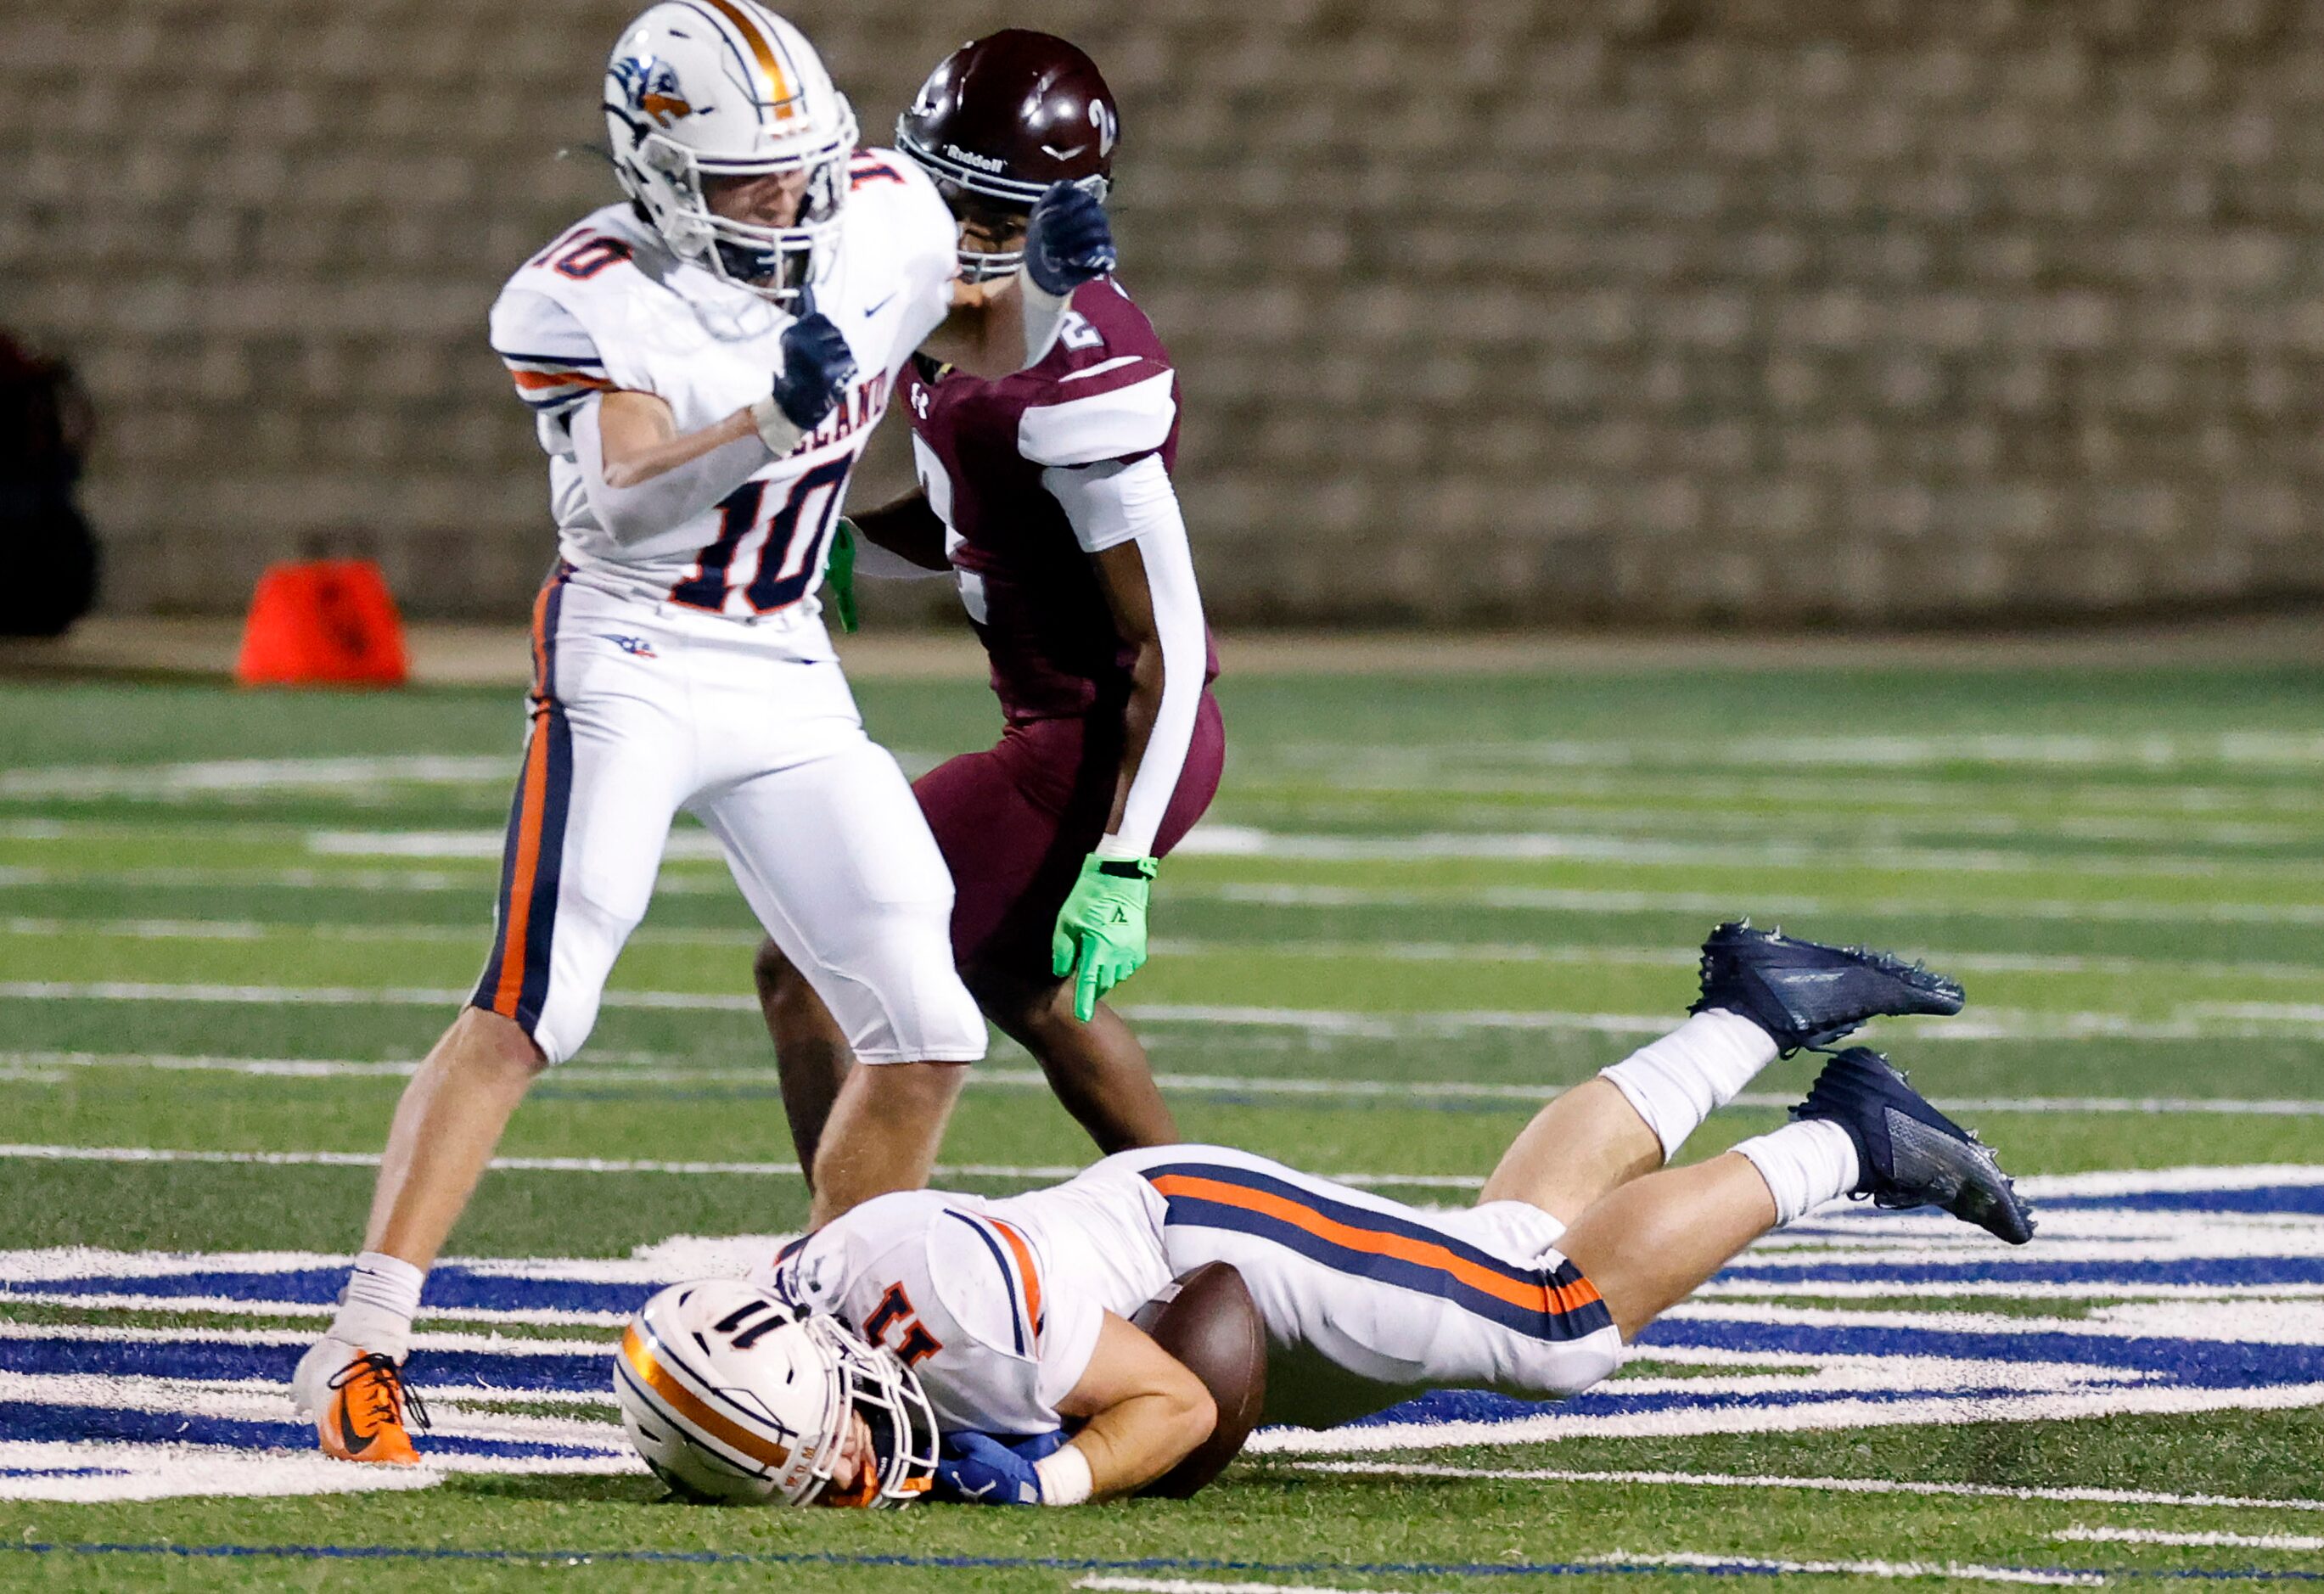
x,y
641,709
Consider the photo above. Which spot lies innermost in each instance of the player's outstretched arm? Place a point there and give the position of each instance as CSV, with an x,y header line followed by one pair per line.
x,y
1001,326
1127,516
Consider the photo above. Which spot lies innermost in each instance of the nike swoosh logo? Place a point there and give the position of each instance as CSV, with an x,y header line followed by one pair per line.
x,y
355,1446
876,308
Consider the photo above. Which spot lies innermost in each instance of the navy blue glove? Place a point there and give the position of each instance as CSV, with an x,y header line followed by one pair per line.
x,y
1068,241
817,366
979,1469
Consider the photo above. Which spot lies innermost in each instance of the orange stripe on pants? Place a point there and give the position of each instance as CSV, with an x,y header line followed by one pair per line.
x,y
1537,1297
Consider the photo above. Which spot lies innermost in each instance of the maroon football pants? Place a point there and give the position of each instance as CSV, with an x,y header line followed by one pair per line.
x,y
1015,820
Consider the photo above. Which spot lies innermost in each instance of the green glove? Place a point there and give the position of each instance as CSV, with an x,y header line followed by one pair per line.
x,y
839,574
1103,927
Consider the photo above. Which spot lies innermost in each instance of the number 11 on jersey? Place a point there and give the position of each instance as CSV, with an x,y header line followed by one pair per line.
x,y
787,564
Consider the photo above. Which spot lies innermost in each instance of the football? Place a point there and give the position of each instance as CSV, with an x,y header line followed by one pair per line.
x,y
1207,1320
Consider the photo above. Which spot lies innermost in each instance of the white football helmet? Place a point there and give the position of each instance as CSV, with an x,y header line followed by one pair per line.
x,y
734,1394
727,89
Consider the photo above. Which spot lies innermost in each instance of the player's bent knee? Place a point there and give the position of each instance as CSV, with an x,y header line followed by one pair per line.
x,y
900,1000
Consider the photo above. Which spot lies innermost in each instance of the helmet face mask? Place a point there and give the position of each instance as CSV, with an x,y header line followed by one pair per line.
x,y
733,1395
693,95
998,122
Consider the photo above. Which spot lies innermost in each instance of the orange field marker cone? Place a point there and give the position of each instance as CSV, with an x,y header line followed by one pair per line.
x,y
326,622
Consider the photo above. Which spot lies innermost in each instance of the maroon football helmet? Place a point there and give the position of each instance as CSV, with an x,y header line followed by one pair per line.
x,y
1000,119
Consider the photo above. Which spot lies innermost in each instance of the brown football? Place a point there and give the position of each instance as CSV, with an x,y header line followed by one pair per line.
x,y
1212,1324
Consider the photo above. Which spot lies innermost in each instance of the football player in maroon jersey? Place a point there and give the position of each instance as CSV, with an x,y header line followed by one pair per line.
x,y
1047,496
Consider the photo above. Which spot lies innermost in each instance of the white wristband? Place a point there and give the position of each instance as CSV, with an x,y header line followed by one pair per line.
x,y
777,430
1064,1476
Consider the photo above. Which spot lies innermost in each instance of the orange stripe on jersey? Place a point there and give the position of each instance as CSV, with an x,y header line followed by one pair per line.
x,y
541,379
526,871
767,1452
1540,1298
780,96
1024,1255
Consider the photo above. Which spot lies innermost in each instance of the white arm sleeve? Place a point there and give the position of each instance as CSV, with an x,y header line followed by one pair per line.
x,y
1109,504
631,515
1043,313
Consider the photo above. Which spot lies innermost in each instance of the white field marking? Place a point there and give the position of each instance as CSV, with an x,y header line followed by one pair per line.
x,y
2265,1321
1618,1559
2079,1535
1238,841
703,883
228,775
2006,1289
591,1165
2241,1021
2171,1181
684,846
1576,953
2073,1495
2160,750
1570,899
1361,776
254,1400
180,929
432,1339
1951,1572
647,1265
319,1310
154,1472
1241,841
45,1068
2109,1401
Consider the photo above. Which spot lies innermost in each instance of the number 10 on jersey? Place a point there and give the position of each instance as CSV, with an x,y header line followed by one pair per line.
x,y
786,563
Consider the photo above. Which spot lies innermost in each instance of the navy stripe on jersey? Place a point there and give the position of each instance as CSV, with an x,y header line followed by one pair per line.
x,y
1008,1279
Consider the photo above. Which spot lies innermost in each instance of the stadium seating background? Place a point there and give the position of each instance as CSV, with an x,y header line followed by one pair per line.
x,y
1766,310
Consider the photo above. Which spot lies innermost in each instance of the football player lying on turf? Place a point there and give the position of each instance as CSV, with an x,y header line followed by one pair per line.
x,y
1013,1317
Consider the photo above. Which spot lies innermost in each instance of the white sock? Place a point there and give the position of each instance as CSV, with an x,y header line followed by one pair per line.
x,y
1704,1064
376,1308
1805,1164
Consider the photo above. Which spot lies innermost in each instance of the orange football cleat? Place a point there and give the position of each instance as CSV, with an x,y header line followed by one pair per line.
x,y
362,1419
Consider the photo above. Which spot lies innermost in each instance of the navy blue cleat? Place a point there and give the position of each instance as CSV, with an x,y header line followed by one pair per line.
x,y
1913,1154
1806,994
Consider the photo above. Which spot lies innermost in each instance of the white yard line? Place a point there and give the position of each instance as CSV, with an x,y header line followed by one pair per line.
x,y
1581,954
245,775
1677,1423
2200,1021
1951,1571
1845,1486
1586,899
1617,1560
2205,1541
1237,841
49,1067
593,1164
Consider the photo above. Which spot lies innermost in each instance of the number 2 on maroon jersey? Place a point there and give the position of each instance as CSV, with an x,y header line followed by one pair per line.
x,y
780,580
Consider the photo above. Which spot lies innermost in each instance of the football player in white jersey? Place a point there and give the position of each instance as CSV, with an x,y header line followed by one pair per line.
x,y
704,361
1015,1314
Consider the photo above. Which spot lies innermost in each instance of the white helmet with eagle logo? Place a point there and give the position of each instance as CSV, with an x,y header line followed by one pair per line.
x,y
733,1394
699,89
